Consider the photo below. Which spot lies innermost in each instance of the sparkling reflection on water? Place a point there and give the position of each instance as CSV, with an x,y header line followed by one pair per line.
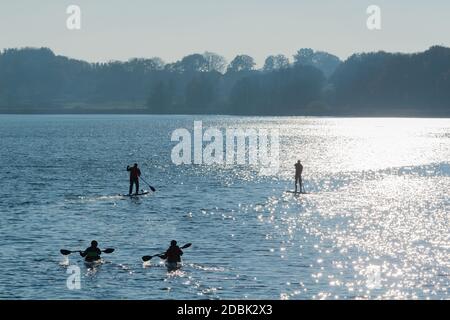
x,y
374,223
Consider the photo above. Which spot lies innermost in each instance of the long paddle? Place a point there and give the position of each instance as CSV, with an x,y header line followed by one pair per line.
x,y
148,258
67,252
151,188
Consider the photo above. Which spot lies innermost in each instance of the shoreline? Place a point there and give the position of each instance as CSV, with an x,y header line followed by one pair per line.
x,y
420,116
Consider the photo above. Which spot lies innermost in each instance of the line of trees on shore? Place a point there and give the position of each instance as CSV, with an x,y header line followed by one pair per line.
x,y
312,83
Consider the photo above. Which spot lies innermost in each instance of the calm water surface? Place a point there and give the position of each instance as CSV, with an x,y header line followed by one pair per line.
x,y
375,223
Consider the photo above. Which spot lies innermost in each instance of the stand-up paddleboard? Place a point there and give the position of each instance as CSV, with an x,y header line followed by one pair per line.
x,y
296,192
142,193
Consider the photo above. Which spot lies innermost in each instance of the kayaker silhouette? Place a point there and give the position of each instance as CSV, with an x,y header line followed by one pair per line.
x,y
135,173
92,253
172,255
298,175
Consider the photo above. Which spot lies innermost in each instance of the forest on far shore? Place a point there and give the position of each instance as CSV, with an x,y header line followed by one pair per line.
x,y
35,80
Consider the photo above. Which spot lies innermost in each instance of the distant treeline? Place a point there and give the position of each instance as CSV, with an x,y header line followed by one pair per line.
x,y
313,83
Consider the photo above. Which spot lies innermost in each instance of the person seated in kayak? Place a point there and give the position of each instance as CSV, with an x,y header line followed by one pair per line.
x,y
173,254
92,253
298,175
135,173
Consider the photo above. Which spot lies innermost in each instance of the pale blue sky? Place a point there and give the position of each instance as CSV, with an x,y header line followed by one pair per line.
x,y
170,29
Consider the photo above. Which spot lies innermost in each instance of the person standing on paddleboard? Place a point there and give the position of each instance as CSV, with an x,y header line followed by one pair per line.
x,y
298,175
135,173
173,255
92,253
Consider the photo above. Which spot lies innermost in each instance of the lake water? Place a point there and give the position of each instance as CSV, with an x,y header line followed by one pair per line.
x,y
374,224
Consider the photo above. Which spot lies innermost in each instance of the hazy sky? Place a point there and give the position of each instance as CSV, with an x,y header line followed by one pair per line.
x,y
170,29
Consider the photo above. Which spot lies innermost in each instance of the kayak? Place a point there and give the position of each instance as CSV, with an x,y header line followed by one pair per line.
x,y
93,264
173,266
